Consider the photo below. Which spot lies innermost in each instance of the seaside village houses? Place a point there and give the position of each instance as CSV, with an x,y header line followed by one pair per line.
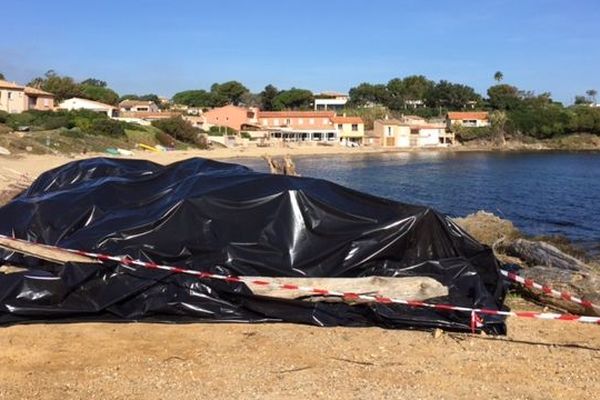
x,y
412,131
290,126
15,98
326,124
468,119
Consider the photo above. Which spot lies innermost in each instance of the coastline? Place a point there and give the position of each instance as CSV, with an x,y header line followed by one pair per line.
x,y
34,164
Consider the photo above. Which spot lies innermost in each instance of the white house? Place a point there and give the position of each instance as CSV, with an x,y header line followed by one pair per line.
x,y
76,103
398,133
470,119
138,106
333,101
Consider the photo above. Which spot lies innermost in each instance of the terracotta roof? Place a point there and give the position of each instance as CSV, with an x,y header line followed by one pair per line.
x,y
10,85
296,114
347,120
36,91
469,115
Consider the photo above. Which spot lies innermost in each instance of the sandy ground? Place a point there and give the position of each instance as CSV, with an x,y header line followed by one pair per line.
x,y
33,164
537,360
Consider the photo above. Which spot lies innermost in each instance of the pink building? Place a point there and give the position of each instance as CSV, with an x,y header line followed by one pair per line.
x,y
299,125
15,98
230,116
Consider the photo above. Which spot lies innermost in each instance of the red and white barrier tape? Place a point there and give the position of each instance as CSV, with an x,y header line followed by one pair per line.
x,y
475,312
530,284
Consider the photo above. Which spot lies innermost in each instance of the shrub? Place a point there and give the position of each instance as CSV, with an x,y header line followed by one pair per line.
x,y
106,127
245,135
179,128
465,134
221,130
3,117
58,122
74,133
165,139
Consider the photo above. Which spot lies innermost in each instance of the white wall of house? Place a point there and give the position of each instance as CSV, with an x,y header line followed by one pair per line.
x,y
76,103
429,136
12,100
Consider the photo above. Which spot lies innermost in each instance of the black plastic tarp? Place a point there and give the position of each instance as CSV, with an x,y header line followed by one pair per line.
x,y
229,219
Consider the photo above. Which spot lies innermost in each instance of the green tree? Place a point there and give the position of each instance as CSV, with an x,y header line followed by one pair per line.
x,y
293,99
592,93
94,82
229,92
453,96
99,93
194,98
402,92
368,94
498,76
581,100
2,76
504,97
267,97
63,87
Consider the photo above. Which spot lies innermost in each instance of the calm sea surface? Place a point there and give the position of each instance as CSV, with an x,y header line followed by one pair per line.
x,y
542,193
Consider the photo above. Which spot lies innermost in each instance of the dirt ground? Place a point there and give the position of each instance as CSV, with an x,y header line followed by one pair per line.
x,y
537,360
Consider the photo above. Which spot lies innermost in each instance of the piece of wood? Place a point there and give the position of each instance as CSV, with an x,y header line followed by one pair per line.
x,y
547,265
542,253
408,288
44,253
585,285
285,166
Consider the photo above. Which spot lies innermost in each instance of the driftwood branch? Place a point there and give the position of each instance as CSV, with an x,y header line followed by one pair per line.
x,y
542,253
548,265
285,166
43,253
413,288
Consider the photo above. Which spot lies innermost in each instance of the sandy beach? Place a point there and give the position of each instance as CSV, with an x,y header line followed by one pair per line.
x,y
34,164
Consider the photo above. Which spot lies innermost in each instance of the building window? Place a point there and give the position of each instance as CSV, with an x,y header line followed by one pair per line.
x,y
9,95
355,127
288,121
317,136
325,121
340,127
311,121
276,122
300,121
389,131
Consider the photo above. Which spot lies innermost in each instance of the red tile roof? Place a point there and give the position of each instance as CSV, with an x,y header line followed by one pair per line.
x,y
296,114
347,120
469,115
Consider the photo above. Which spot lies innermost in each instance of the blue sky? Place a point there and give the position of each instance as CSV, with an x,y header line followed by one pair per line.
x,y
167,46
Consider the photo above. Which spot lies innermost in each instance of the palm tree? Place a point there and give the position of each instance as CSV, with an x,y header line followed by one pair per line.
x,y
592,93
498,76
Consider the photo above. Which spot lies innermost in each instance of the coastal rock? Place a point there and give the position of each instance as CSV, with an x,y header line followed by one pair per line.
x,y
487,227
